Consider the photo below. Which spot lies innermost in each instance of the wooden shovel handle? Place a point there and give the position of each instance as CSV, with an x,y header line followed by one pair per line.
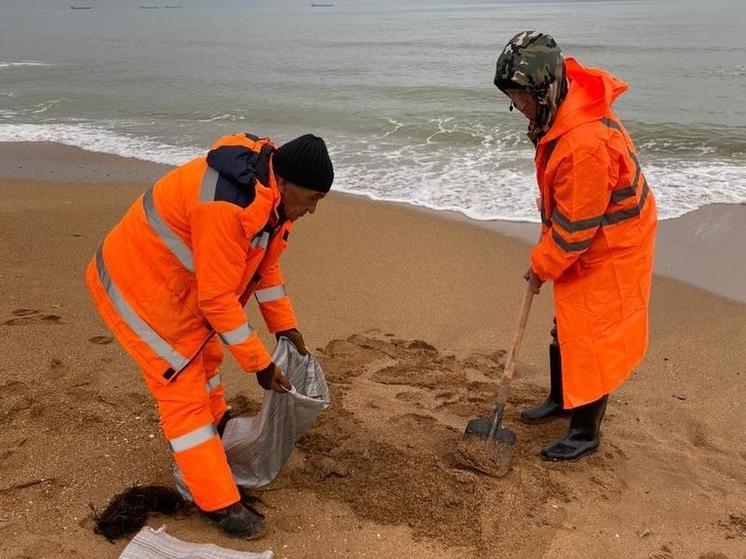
x,y
510,365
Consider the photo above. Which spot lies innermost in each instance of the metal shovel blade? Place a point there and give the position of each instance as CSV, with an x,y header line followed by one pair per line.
x,y
481,428
486,446
491,429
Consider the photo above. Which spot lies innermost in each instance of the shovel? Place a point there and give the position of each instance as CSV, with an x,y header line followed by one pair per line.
x,y
487,445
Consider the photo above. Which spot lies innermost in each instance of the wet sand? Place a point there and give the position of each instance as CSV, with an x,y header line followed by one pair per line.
x,y
410,314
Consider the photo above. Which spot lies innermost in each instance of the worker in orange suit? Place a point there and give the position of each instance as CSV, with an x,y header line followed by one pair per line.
x,y
598,232
173,276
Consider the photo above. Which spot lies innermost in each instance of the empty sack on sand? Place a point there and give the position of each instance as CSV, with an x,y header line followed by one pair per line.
x,y
156,544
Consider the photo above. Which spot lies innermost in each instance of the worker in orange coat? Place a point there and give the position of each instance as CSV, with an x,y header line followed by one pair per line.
x,y
173,276
598,232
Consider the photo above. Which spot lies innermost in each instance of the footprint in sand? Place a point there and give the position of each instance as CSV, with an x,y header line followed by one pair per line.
x,y
101,340
408,396
24,312
735,526
56,364
663,553
28,316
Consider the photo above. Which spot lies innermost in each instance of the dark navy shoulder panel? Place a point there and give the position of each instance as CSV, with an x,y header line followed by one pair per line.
x,y
262,164
228,191
237,163
236,168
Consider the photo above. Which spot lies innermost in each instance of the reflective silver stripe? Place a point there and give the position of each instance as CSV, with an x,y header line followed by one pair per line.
x,y
260,240
610,123
568,246
608,219
213,383
613,217
628,191
209,184
169,238
237,335
574,226
621,215
638,169
645,192
193,438
271,293
137,324
622,194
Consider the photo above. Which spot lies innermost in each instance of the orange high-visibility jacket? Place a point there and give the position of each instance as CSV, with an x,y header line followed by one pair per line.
x,y
189,251
599,222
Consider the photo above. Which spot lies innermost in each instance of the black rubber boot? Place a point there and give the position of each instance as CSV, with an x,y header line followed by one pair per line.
x,y
238,521
552,406
584,435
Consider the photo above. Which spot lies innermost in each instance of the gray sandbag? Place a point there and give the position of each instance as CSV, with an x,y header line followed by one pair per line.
x,y
258,447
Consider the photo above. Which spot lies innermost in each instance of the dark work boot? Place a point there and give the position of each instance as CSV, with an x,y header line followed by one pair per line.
x,y
238,521
584,434
552,406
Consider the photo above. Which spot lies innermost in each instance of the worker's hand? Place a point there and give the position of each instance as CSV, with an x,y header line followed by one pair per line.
x,y
271,378
294,336
533,280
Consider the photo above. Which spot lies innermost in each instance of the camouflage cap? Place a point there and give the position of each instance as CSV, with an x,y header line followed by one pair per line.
x,y
531,61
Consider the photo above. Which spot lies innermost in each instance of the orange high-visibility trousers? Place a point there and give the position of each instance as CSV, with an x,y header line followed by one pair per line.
x,y
190,409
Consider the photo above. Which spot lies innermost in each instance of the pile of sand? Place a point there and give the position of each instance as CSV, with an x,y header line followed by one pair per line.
x,y
387,446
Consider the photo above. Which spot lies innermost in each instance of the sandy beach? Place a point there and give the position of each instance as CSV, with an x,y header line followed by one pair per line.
x,y
410,313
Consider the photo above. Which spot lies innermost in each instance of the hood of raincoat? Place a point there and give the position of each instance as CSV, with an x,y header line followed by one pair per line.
x,y
590,95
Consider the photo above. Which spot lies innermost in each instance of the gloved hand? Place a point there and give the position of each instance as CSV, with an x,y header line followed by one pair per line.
x,y
294,336
271,378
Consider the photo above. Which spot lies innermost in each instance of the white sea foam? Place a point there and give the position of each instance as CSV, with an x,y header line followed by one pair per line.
x,y
22,63
92,138
510,195
493,179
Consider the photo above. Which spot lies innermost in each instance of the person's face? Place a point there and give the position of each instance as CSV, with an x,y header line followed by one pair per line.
x,y
523,101
298,201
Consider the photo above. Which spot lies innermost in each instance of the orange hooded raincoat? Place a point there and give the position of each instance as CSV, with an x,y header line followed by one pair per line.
x,y
598,234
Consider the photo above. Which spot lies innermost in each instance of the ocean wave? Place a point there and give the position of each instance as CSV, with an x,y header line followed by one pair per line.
x,y
22,63
488,177
94,138
487,173
682,140
220,117
511,195
39,108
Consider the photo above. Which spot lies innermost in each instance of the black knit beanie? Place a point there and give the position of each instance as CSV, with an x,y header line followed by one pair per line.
x,y
305,162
